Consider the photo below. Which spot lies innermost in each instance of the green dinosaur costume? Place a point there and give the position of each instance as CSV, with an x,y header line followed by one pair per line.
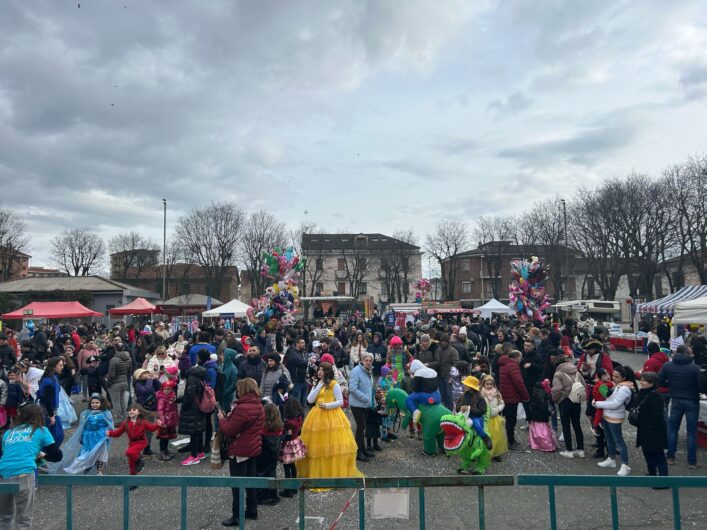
x,y
432,435
461,439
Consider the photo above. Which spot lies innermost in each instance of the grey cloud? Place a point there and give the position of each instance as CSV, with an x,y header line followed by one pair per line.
x,y
513,104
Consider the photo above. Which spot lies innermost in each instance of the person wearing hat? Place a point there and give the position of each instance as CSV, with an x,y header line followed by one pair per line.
x,y
274,369
168,414
593,357
473,406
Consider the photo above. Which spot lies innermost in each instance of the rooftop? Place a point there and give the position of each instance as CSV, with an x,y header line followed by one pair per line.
x,y
96,284
353,241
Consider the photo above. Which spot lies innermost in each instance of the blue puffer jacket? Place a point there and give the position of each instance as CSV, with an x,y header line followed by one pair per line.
x,y
360,388
682,377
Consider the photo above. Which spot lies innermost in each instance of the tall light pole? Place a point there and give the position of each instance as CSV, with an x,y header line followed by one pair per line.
x,y
164,251
567,256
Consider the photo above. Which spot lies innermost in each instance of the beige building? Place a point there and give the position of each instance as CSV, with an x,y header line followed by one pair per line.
x,y
360,265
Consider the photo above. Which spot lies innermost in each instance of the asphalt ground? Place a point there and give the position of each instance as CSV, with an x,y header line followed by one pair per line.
x,y
506,507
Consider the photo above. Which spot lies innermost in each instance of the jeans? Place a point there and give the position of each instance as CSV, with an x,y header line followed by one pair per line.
x,y
119,398
656,462
571,413
511,415
615,440
243,469
360,415
299,392
690,409
445,391
16,510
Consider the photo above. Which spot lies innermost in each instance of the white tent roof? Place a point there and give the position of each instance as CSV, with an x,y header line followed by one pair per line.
x,y
494,306
667,304
235,307
691,312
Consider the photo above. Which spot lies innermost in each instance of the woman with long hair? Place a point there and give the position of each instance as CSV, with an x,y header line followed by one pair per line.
x,y
359,346
326,432
614,408
48,397
21,446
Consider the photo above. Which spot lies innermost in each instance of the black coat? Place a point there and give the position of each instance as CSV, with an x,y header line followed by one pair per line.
x,y
534,373
191,419
252,367
652,430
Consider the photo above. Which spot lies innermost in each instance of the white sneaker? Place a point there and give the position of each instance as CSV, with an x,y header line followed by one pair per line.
x,y
561,437
567,454
609,462
579,454
624,471
523,427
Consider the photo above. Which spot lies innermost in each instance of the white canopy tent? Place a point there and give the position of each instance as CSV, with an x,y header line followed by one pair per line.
x,y
233,309
691,312
494,306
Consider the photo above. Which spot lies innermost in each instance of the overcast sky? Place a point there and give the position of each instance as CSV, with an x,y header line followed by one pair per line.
x,y
373,116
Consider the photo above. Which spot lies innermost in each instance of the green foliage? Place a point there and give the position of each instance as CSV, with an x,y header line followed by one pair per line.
x,y
81,296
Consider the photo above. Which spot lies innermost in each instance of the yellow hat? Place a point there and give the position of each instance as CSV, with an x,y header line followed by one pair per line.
x,y
471,382
137,373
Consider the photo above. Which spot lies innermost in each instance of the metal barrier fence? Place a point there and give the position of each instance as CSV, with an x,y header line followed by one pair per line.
x,y
612,482
185,482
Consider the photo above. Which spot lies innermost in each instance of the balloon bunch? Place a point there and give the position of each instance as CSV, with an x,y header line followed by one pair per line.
x,y
527,293
281,299
423,290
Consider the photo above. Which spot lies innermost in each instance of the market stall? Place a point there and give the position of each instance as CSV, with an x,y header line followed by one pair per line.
x,y
233,309
666,305
691,312
139,306
492,307
52,310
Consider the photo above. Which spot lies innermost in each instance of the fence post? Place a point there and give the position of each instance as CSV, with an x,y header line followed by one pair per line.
x,y
421,502
126,508
482,508
677,521
183,508
614,508
301,507
69,507
553,507
241,508
361,509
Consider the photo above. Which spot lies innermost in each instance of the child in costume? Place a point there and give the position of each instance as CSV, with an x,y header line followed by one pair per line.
x,y
425,389
135,427
280,394
397,359
292,448
88,447
385,384
601,389
540,435
473,405
146,385
496,426
374,421
168,414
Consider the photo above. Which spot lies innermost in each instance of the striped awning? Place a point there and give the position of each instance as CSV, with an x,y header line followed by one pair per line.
x,y
666,305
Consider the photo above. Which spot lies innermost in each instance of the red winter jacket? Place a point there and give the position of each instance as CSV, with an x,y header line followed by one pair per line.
x,y
512,387
135,429
244,426
167,409
654,363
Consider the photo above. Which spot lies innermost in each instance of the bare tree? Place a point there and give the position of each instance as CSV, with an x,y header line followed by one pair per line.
x,y
357,264
444,243
13,242
495,236
261,233
210,238
396,265
78,251
133,253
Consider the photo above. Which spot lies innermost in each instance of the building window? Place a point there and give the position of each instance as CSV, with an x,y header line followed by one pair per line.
x,y
591,288
658,285
466,287
384,289
363,288
466,266
341,264
320,288
361,264
320,264
678,279
341,288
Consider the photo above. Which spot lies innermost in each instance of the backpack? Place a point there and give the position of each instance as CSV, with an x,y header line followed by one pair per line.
x,y
578,392
633,408
207,403
220,385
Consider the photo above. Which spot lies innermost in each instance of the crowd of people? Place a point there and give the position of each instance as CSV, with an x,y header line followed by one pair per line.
x,y
259,400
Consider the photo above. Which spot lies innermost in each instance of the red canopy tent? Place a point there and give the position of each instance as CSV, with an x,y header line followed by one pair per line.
x,y
139,306
52,310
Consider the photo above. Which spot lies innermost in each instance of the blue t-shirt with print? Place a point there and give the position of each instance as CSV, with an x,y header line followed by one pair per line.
x,y
20,448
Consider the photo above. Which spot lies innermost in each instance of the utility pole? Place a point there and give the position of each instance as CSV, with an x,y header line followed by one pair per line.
x,y
164,251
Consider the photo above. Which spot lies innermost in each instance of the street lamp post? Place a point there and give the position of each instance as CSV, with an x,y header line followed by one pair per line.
x,y
567,258
164,251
